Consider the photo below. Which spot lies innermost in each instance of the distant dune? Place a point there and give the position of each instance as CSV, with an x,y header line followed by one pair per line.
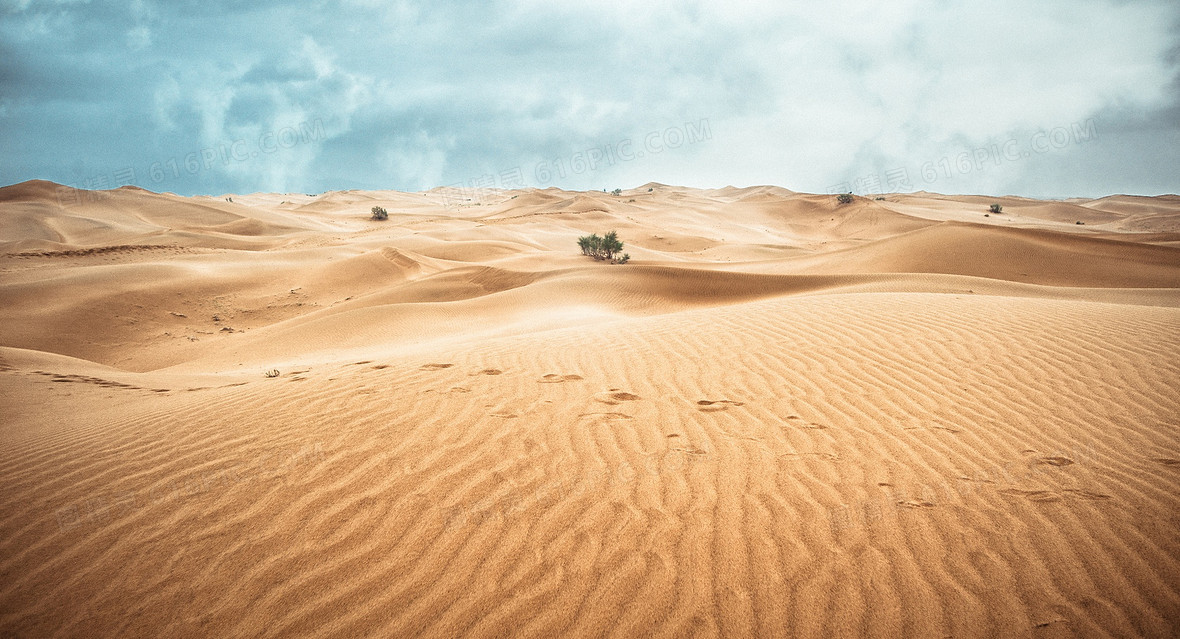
x,y
267,415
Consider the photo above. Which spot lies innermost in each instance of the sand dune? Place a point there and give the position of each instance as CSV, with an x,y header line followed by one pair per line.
x,y
272,416
1013,254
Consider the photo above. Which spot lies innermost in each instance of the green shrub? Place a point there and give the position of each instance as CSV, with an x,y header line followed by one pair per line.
x,y
995,208
380,213
617,192
844,198
605,248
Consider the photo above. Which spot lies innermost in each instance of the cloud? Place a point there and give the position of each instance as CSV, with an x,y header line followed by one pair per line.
x,y
412,95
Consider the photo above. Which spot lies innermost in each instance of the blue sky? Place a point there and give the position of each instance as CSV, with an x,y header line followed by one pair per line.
x,y
1054,98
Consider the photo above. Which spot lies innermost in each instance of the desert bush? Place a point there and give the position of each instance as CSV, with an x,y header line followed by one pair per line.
x,y
274,372
844,198
617,192
380,213
995,208
605,248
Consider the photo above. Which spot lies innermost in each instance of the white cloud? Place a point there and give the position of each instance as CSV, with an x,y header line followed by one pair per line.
x,y
139,38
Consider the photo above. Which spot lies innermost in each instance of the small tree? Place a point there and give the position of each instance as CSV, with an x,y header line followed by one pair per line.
x,y
611,246
617,192
844,198
380,213
589,244
605,248
995,208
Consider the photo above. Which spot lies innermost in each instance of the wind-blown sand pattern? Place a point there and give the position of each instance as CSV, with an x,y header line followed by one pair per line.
x,y
785,417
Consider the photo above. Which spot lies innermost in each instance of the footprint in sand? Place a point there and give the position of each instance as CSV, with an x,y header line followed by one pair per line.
x,y
105,383
435,367
616,396
914,503
1166,461
1050,496
824,456
505,415
1055,461
607,415
949,429
489,371
554,378
1033,495
380,367
796,420
460,389
714,405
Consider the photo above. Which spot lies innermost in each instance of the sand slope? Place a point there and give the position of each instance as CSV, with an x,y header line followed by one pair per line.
x,y
785,417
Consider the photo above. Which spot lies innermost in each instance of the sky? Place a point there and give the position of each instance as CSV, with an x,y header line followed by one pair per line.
x,y
1053,98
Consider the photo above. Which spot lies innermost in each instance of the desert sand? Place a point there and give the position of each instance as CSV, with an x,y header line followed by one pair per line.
x,y
275,417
